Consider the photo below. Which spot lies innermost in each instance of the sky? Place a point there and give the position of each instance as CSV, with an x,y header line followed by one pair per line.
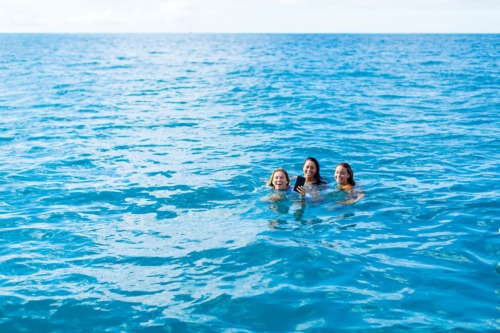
x,y
250,16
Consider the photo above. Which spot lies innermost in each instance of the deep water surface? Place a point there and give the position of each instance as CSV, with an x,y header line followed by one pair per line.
x,y
133,173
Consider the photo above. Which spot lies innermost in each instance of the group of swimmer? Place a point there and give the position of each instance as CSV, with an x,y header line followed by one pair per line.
x,y
314,183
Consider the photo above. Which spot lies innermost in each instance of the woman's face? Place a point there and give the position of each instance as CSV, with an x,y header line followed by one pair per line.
x,y
279,181
309,170
341,175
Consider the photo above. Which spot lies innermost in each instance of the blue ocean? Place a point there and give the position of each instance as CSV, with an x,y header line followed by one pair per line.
x,y
133,183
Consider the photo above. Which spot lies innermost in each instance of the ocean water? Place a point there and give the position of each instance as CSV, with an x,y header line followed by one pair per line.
x,y
133,173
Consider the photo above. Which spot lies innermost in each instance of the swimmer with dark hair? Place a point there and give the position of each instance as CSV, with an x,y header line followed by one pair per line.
x,y
345,180
311,172
314,183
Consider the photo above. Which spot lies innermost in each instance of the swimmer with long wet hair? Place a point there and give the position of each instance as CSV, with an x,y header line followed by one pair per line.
x,y
311,172
345,180
313,179
279,180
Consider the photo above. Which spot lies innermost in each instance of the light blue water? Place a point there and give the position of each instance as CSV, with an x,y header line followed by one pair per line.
x,y
132,168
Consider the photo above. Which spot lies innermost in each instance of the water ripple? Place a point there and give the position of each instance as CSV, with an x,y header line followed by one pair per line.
x,y
133,171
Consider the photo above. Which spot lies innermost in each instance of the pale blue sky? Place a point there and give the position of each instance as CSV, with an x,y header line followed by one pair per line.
x,y
236,16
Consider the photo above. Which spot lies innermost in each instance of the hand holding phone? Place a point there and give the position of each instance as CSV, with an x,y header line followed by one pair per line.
x,y
299,182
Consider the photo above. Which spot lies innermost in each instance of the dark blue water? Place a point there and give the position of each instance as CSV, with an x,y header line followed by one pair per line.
x,y
133,169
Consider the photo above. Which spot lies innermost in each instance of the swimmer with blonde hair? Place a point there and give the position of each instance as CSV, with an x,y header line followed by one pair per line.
x,y
279,180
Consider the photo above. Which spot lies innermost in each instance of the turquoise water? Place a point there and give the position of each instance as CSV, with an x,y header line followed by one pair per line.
x,y
133,167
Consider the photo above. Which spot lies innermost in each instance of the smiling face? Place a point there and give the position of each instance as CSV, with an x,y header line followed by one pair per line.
x,y
280,180
310,170
342,175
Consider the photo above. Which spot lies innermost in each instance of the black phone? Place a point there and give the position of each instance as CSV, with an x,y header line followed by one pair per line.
x,y
299,182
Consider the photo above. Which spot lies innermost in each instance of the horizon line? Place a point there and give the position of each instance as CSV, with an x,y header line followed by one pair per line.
x,y
249,33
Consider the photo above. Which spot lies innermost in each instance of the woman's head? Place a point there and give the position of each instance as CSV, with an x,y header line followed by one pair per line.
x,y
279,179
311,171
344,174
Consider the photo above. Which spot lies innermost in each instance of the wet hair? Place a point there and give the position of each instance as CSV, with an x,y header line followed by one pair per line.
x,y
317,176
349,171
270,181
